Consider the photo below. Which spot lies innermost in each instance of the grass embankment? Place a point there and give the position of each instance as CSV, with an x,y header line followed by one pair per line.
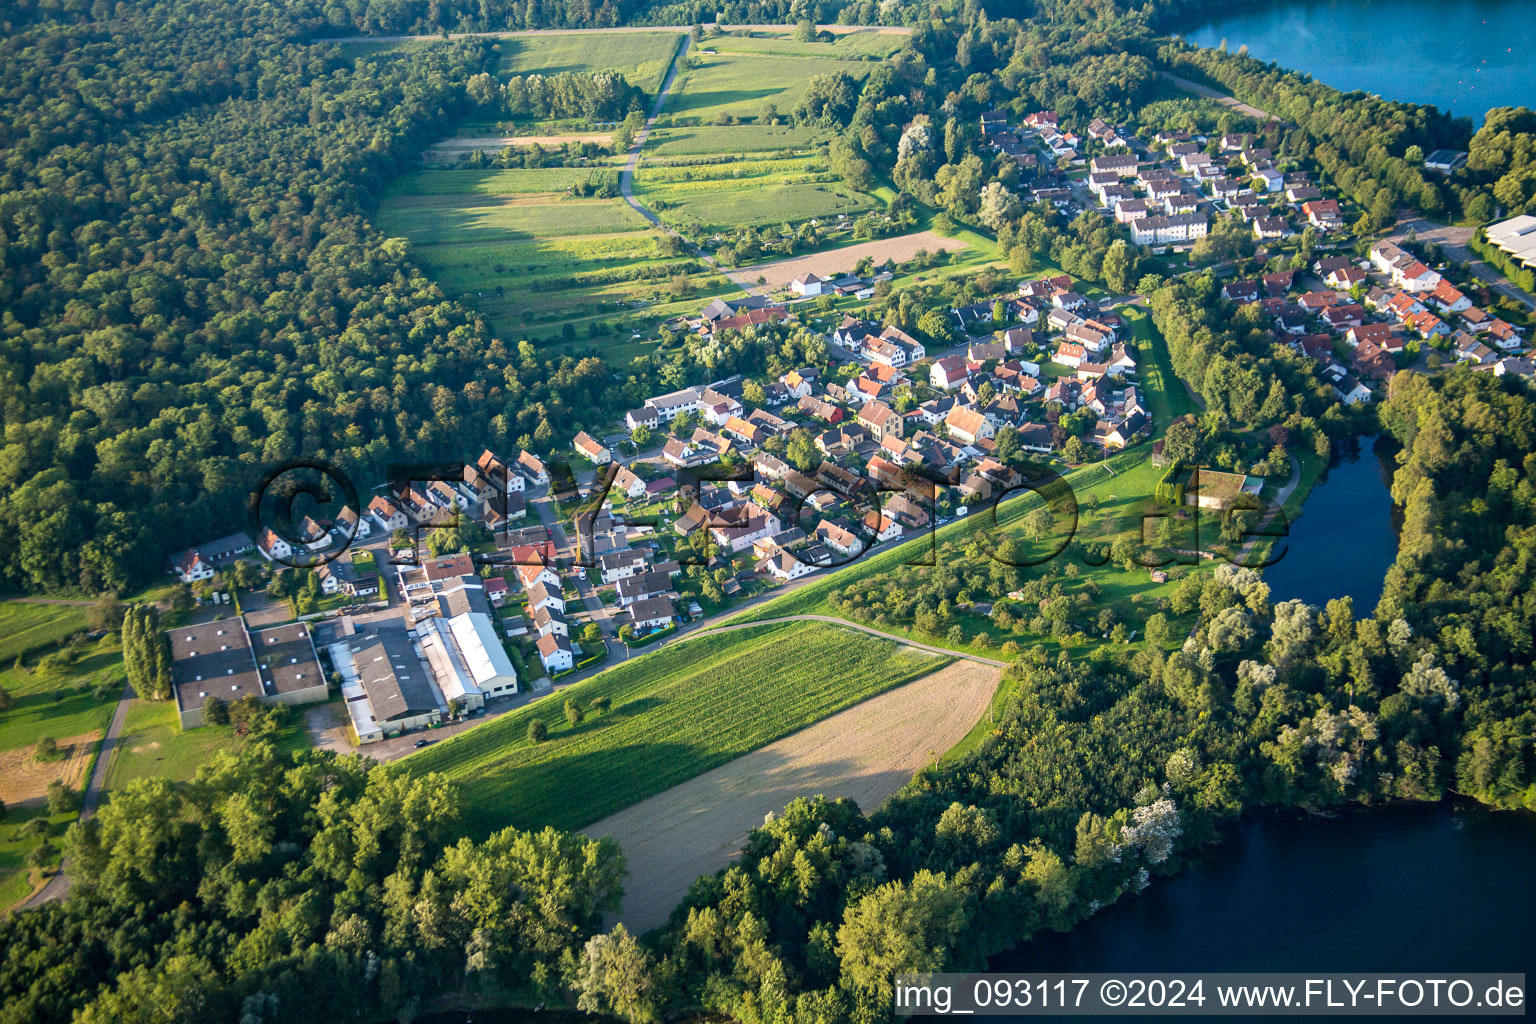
x,y
675,714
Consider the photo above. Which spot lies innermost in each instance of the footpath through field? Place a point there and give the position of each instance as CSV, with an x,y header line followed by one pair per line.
x,y
627,175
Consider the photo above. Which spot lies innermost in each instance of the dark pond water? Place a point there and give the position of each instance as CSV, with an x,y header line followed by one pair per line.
x,y
1344,541
1403,889
1464,56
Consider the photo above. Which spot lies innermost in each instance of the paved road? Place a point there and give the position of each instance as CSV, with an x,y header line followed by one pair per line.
x,y
1219,97
565,548
57,887
835,621
1452,241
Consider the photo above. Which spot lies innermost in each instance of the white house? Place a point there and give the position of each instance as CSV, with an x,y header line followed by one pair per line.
x,y
556,653
620,565
808,284
785,567
948,373
389,515
274,547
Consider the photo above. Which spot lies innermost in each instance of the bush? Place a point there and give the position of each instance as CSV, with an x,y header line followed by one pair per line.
x,y
601,704
47,748
61,799
573,712
538,732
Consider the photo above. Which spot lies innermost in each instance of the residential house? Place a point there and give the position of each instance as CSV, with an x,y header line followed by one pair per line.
x,y
808,284
591,449
617,565
201,562
968,425
651,613
948,373
556,653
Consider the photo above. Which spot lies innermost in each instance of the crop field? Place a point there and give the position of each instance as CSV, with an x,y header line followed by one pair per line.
x,y
709,140
641,57
745,86
865,753
676,713
26,626
832,262
746,192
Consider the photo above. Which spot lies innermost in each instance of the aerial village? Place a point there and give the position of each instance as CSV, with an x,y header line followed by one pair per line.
x,y
886,439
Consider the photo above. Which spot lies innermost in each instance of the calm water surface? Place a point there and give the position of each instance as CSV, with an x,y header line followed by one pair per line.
x,y
1409,888
1345,540
1464,56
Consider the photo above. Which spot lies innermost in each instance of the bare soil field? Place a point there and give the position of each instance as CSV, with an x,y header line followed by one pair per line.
x,y
866,753
24,780
838,261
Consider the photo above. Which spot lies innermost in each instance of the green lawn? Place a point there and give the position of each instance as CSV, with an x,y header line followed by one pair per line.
x,y
27,626
746,86
460,217
493,181
1166,394
14,847
153,746
641,57
676,713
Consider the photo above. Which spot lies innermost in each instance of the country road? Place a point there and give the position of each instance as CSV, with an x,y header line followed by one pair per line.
x,y
57,887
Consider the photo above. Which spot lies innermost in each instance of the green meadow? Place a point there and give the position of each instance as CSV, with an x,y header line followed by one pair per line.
x,y
745,86
641,57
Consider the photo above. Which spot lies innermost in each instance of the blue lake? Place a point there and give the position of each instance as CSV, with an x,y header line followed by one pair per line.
x,y
1344,541
1464,56
1408,888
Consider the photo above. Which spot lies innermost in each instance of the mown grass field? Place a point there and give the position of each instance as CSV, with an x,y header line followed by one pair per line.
x,y
26,626
708,140
641,57
152,745
675,714
469,217
745,86
846,46
14,847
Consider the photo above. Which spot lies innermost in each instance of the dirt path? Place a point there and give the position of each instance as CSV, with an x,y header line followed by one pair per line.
x,y
1219,97
627,175
866,753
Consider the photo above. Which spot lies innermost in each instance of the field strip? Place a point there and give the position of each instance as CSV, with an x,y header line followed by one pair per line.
x,y
835,621
472,142
838,261
837,30
865,753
